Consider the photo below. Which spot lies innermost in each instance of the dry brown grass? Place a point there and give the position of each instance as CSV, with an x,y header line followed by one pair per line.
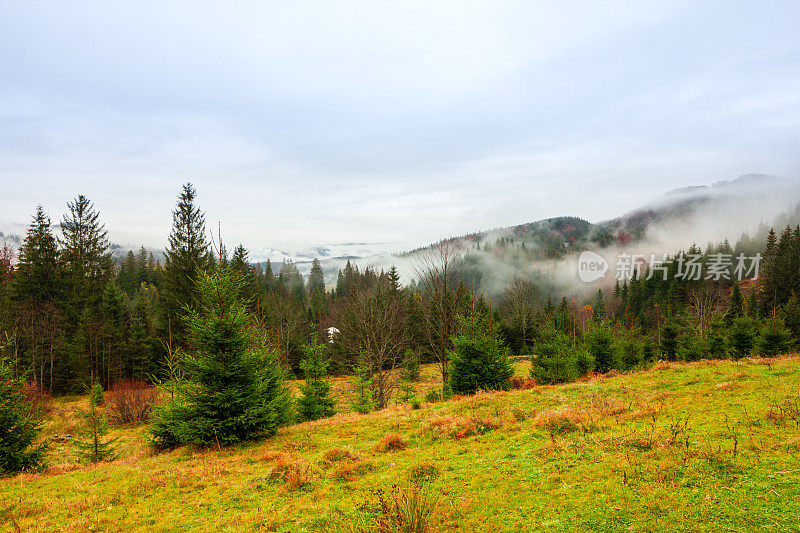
x,y
460,427
350,471
391,442
293,471
605,406
336,455
559,421
423,471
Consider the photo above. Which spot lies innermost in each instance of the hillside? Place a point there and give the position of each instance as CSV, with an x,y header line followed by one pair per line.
x,y
705,446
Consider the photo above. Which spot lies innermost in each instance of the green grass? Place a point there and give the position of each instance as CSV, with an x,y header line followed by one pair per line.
x,y
708,446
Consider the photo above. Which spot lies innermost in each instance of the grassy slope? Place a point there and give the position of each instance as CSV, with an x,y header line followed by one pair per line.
x,y
653,451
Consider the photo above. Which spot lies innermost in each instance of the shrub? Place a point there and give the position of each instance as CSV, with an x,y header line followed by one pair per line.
x,y
479,360
391,442
407,509
463,427
315,402
130,402
716,343
691,349
294,473
19,427
433,396
335,455
41,401
519,383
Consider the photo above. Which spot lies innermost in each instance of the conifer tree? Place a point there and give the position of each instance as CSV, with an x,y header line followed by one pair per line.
x,y
38,275
479,359
736,304
394,279
599,309
232,393
19,427
600,345
364,401
316,279
742,337
315,403
187,254
669,341
553,364
774,338
92,445
86,255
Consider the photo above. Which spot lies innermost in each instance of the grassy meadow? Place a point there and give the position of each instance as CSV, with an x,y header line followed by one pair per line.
x,y
707,446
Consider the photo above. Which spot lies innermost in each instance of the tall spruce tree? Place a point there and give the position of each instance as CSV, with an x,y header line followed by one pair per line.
x,y
187,255
86,254
38,275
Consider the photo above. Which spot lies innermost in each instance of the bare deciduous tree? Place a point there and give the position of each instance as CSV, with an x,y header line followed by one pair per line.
x,y
443,290
704,300
372,327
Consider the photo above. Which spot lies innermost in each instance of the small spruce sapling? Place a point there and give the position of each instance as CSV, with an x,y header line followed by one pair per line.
x,y
92,444
364,402
315,403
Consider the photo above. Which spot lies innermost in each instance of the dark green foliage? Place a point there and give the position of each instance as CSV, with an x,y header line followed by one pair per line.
x,y
669,341
19,427
691,348
232,392
630,354
411,366
791,318
364,401
38,276
316,279
599,308
774,338
315,403
736,304
554,363
648,351
479,359
186,256
600,345
742,337
716,341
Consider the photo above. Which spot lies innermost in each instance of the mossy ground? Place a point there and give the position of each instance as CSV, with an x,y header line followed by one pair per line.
x,y
708,446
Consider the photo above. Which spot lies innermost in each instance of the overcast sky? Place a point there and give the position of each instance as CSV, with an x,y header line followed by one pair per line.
x,y
322,123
